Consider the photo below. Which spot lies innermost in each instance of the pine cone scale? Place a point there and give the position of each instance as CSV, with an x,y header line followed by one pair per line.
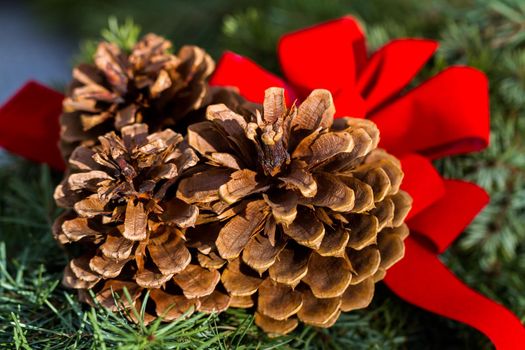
x,y
334,243
241,184
215,302
358,296
291,266
365,262
260,254
317,311
328,277
170,306
278,301
316,111
197,282
306,229
171,256
300,179
135,222
237,282
275,327
106,267
116,247
234,236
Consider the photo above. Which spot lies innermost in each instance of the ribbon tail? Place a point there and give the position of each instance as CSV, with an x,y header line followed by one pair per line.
x,y
438,290
29,124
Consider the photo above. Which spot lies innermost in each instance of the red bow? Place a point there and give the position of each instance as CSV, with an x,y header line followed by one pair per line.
x,y
29,124
448,114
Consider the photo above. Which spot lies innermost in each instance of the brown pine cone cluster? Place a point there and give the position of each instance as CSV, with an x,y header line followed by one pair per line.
x,y
282,209
149,85
302,213
128,226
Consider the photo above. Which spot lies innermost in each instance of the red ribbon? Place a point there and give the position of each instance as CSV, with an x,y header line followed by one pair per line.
x,y
30,125
447,114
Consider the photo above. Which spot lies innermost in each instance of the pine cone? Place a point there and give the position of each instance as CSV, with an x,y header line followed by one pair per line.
x,y
128,226
150,85
311,212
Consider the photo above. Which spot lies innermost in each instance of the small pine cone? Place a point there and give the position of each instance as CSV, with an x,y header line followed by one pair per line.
x,y
128,226
311,212
150,85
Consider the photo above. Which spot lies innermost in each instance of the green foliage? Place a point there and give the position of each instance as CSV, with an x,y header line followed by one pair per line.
x,y
35,312
125,35
196,22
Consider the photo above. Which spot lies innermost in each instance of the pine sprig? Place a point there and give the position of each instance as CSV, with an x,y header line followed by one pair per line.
x,y
124,35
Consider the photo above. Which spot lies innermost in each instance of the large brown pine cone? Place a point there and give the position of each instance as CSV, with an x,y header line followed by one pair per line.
x,y
149,85
304,212
128,227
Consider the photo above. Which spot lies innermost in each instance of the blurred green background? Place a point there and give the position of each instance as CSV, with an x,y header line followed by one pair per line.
x,y
43,38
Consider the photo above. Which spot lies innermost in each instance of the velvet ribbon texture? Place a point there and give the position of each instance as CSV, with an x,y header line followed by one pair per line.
x,y
446,115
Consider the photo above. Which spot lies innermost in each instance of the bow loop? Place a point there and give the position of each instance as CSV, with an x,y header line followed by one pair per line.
x,y
391,68
30,125
328,56
446,115
248,77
